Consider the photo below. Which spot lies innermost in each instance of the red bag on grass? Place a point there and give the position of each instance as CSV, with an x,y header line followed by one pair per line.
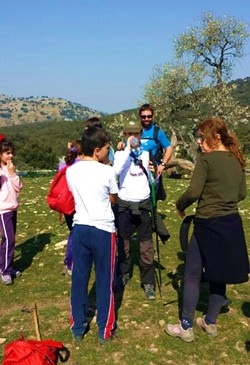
x,y
32,352
60,197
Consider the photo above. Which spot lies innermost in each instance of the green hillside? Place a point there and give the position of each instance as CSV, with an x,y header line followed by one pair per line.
x,y
40,145
14,111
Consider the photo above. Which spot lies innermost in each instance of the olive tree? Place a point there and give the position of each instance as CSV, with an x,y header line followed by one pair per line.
x,y
215,43
195,82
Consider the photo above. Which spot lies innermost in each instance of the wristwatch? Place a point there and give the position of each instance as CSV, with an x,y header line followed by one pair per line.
x,y
163,163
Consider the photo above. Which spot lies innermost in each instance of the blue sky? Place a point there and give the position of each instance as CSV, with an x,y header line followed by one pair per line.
x,y
99,53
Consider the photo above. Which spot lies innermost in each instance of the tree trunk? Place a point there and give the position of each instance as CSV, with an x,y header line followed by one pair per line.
x,y
185,164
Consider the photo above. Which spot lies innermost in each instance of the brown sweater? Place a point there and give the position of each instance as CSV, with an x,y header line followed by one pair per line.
x,y
218,183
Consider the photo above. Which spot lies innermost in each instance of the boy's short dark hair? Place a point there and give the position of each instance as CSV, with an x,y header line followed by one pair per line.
x,y
92,138
93,122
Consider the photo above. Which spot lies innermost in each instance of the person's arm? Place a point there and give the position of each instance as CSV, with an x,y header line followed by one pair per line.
x,y
122,159
113,198
243,188
167,154
194,191
120,146
167,151
14,177
166,157
113,188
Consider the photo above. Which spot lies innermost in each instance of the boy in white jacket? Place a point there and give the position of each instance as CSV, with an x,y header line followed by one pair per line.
x,y
133,167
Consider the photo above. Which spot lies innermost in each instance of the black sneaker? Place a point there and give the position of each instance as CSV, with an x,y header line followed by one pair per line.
x,y
149,291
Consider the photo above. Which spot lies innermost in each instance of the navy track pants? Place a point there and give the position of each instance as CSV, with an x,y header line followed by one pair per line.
x,y
92,245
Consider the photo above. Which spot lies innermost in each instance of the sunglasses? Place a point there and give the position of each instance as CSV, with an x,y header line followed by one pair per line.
x,y
200,138
146,116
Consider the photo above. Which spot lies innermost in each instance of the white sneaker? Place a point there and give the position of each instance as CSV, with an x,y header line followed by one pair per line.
x,y
176,330
6,279
210,329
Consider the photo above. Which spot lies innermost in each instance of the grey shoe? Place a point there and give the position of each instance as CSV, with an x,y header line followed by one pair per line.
x,y
104,341
149,291
17,274
176,330
77,338
210,329
6,279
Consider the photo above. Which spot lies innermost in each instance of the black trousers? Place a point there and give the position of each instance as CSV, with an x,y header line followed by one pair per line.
x,y
192,279
142,224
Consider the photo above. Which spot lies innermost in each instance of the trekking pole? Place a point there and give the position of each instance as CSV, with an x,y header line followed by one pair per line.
x,y
154,211
36,322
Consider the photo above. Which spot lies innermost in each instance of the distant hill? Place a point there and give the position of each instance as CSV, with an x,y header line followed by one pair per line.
x,y
14,111
242,90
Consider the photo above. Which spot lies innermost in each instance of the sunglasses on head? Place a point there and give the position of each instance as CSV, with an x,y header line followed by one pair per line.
x,y
146,116
200,138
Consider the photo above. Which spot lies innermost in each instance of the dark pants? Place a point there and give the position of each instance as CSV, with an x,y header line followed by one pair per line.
x,y
192,279
7,247
92,245
68,255
143,225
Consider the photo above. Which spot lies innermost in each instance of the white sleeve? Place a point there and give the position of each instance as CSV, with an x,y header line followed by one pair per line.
x,y
113,184
122,158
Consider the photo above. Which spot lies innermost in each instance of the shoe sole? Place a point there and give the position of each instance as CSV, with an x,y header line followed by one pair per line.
x,y
177,335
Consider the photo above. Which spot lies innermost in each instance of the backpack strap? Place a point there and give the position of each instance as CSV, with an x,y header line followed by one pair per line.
x,y
156,132
137,161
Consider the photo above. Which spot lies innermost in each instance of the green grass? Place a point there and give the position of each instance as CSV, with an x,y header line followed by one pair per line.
x,y
141,338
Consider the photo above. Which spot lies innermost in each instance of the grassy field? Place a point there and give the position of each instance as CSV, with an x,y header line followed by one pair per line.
x,y
141,338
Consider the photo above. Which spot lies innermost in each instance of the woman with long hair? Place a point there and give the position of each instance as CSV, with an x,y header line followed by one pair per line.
x,y
218,246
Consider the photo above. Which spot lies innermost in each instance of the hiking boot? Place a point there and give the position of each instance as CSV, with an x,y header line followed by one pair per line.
x,y
176,330
149,291
6,279
210,329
